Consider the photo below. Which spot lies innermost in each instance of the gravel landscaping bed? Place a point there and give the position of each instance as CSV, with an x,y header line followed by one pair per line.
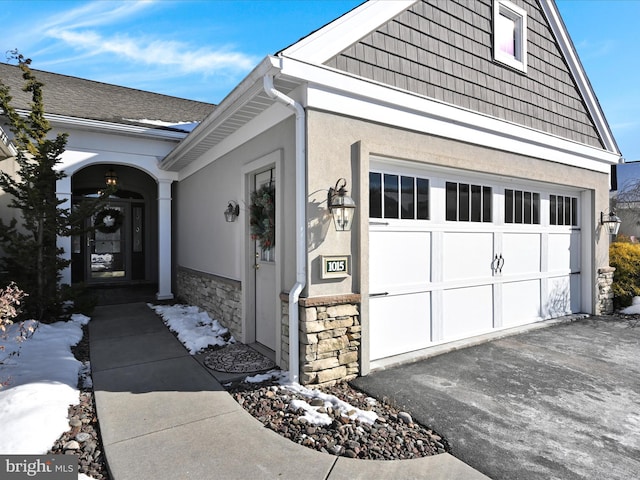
x,y
393,436
83,437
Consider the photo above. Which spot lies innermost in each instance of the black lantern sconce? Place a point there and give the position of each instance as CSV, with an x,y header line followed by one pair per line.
x,y
611,222
341,206
111,178
232,211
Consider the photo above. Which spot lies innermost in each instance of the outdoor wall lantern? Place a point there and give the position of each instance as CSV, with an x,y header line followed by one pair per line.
x,y
341,206
111,178
232,211
611,222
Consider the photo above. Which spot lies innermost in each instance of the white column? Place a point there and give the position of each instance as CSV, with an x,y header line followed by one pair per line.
x,y
164,240
63,191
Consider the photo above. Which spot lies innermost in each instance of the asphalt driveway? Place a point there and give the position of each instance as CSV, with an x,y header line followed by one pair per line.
x,y
557,403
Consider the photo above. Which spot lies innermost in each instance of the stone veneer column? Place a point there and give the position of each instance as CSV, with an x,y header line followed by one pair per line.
x,y
604,302
329,338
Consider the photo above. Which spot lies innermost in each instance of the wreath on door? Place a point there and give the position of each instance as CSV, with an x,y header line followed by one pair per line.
x,y
108,220
262,216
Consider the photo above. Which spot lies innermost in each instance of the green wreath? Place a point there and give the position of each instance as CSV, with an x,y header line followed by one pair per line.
x,y
109,220
262,216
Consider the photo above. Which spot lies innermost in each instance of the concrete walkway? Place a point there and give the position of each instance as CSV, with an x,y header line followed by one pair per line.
x,y
163,416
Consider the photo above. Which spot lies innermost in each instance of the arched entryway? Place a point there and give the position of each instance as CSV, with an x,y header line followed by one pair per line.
x,y
122,249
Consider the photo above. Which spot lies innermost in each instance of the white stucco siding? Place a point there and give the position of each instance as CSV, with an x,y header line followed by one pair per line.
x,y
205,241
8,165
86,148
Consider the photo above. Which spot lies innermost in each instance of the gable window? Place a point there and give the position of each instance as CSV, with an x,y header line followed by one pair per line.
x,y
510,34
467,203
398,196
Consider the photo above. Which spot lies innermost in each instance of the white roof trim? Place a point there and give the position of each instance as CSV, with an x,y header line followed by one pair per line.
x,y
249,86
334,37
102,126
260,124
573,61
334,91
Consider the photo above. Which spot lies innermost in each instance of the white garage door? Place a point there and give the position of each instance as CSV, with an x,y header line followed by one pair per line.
x,y
452,257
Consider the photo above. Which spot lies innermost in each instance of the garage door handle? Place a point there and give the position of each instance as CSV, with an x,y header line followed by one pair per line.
x,y
497,263
381,294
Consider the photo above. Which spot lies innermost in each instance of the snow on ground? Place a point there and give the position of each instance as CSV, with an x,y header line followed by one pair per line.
x,y
43,378
311,414
634,309
42,383
194,328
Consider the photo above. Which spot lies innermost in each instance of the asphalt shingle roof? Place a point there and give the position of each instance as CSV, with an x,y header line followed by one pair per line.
x,y
87,99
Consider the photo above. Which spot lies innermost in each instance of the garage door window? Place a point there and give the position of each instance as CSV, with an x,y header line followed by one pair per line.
x,y
521,207
563,210
468,203
398,196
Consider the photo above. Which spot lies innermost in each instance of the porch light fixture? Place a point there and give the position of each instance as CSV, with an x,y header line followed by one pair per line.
x,y
341,206
111,178
232,211
611,222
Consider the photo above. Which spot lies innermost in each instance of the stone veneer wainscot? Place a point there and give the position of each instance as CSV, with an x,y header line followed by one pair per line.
x,y
220,297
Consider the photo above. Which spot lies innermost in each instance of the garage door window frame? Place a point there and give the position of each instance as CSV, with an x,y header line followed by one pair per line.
x,y
397,196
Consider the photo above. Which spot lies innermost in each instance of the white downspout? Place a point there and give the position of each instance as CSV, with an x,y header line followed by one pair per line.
x,y
300,206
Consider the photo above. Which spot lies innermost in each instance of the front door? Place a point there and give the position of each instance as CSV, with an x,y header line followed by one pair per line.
x,y
265,261
106,244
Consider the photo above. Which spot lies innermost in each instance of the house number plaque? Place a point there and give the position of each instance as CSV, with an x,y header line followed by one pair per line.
x,y
336,266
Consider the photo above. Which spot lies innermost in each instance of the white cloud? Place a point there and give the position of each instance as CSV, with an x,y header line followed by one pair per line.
x,y
157,52
96,13
91,31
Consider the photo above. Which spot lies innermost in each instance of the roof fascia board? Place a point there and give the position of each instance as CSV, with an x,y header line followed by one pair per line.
x,y
98,125
240,95
337,92
273,115
488,134
334,37
573,61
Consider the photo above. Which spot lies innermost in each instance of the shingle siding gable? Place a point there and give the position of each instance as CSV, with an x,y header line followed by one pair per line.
x,y
443,49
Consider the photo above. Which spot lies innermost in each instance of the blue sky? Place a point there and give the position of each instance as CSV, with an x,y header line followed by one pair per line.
x,y
201,49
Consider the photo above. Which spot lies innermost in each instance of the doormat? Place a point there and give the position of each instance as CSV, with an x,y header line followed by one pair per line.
x,y
237,358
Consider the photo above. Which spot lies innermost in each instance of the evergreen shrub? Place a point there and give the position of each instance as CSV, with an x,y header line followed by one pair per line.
x,y
625,257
